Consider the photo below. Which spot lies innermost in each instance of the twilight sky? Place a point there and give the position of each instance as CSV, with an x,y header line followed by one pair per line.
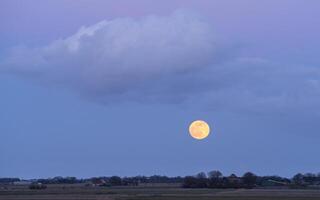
x,y
93,88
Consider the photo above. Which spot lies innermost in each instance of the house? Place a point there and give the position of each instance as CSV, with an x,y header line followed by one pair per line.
x,y
273,183
98,182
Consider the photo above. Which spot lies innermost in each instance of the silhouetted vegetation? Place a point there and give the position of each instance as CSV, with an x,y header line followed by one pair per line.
x,y
115,180
37,186
59,180
249,180
212,179
8,180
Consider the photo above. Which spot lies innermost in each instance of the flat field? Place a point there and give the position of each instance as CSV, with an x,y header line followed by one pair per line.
x,y
80,192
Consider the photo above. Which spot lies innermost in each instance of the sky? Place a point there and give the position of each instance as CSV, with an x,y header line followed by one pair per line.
x,y
100,88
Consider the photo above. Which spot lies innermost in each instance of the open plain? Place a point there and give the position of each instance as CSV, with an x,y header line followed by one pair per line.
x,y
81,192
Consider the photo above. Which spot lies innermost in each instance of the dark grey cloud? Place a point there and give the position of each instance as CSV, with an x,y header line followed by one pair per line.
x,y
171,59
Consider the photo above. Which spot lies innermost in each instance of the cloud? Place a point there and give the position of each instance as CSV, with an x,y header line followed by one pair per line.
x,y
121,57
170,59
255,85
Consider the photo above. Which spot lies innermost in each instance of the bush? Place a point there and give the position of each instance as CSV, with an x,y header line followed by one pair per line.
x,y
249,179
115,180
193,182
37,186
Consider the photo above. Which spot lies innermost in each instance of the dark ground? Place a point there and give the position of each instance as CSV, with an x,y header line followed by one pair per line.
x,y
80,192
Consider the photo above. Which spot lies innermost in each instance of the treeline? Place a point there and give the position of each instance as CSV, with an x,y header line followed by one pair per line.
x,y
103,180
213,179
9,180
61,180
134,181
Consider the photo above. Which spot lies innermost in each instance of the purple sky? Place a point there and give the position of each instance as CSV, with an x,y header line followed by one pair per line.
x,y
116,96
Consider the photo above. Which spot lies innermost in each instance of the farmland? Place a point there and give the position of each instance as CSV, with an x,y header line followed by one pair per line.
x,y
81,192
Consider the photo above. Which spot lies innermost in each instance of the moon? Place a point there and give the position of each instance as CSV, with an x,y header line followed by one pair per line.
x,y
199,129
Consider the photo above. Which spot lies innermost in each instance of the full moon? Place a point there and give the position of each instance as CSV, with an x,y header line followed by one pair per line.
x,y
199,129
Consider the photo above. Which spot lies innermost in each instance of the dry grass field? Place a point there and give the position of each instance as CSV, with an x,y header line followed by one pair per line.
x,y
80,192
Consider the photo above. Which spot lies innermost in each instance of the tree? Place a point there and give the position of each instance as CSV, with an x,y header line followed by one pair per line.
x,y
234,181
249,179
215,174
216,179
201,175
190,182
298,179
115,180
202,180
309,178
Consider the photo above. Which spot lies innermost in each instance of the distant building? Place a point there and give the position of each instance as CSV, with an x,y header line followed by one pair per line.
x,y
273,183
98,182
